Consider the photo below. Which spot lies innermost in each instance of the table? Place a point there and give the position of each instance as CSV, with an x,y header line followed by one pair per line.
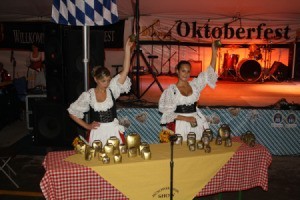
x,y
247,168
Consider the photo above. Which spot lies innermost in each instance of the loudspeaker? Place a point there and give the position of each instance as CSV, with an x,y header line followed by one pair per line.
x,y
52,124
54,62
280,71
31,101
297,62
73,61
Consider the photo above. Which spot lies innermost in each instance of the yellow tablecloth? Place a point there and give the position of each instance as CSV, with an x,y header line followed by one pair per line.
x,y
150,179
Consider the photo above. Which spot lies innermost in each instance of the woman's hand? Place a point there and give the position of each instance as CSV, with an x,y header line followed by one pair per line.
x,y
126,62
191,120
93,125
129,44
215,45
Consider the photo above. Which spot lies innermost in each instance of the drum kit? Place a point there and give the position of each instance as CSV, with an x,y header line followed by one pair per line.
x,y
247,69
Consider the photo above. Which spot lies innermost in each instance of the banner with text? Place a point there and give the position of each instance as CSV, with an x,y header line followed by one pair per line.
x,y
238,31
21,35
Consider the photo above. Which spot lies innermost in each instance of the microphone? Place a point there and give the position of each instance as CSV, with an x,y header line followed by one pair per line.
x,y
178,21
173,138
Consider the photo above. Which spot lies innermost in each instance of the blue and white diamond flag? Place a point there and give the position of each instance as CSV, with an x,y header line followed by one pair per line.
x,y
85,12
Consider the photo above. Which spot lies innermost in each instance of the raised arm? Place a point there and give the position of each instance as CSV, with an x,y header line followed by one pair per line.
x,y
126,62
214,46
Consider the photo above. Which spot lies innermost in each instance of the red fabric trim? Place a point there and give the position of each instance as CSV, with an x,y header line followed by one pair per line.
x,y
88,135
171,126
122,137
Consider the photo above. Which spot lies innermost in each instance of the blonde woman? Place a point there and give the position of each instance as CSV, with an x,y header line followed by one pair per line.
x,y
101,101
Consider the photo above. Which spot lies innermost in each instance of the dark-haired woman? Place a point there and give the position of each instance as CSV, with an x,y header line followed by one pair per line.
x,y
36,69
101,101
178,103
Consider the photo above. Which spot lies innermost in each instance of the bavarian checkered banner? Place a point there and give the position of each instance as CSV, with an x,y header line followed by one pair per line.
x,y
85,12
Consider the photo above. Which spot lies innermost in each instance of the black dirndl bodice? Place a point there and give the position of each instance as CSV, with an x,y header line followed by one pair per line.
x,y
104,116
186,108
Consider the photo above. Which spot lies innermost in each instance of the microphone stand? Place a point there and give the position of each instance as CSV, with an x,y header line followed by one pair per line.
x,y
151,26
172,139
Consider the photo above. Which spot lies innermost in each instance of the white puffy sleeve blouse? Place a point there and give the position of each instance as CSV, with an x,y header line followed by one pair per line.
x,y
88,98
171,97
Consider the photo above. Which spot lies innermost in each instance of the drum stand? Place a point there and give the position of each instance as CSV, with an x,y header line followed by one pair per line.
x,y
271,73
268,77
228,68
228,73
271,69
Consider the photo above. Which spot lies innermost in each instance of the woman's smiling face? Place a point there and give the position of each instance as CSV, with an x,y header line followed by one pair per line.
x,y
103,82
184,72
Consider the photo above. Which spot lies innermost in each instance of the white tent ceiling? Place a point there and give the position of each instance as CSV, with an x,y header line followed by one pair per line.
x,y
282,10
203,9
274,13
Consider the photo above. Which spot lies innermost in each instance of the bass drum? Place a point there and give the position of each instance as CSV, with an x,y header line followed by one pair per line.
x,y
249,70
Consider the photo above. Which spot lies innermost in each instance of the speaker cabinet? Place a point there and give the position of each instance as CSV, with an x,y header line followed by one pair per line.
x,y
73,60
280,71
51,124
54,62
297,62
31,101
294,49
9,106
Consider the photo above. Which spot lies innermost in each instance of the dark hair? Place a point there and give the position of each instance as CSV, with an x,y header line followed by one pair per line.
x,y
100,72
183,62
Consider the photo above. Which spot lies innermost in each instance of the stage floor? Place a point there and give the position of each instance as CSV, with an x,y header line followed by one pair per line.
x,y
226,93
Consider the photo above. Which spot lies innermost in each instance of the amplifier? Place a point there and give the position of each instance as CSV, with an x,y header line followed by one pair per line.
x,y
31,100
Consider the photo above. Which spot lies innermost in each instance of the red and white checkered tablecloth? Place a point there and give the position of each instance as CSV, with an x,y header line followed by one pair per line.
x,y
247,168
67,181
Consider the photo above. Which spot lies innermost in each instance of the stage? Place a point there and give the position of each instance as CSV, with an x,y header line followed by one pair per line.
x,y
227,92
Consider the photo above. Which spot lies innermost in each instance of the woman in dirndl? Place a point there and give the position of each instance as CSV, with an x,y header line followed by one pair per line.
x,y
178,103
101,101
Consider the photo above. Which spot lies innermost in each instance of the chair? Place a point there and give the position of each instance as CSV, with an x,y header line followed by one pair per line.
x,y
6,155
